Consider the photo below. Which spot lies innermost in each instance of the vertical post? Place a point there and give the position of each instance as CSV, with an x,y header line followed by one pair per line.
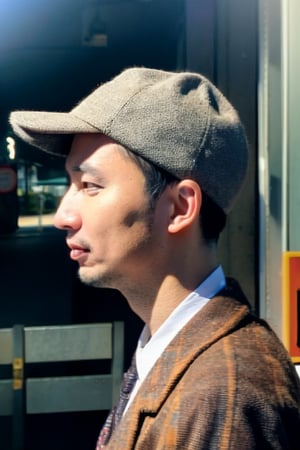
x,y
117,359
18,388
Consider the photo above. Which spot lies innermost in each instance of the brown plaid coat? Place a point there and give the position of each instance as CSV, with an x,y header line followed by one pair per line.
x,y
224,383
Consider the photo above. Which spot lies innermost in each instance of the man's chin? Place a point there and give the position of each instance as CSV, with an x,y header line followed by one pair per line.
x,y
91,279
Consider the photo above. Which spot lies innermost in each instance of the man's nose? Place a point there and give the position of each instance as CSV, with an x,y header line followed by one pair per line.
x,y
67,216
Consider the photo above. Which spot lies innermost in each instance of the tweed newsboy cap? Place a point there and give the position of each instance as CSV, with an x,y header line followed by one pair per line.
x,y
178,121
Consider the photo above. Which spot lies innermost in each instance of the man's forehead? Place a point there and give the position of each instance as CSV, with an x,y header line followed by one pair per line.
x,y
89,138
92,149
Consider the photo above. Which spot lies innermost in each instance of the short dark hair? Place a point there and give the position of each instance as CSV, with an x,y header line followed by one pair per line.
x,y
212,217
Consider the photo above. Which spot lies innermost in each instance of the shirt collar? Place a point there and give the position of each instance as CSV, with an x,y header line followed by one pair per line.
x,y
150,348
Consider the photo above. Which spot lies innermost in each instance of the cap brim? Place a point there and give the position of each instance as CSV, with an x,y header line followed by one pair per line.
x,y
49,131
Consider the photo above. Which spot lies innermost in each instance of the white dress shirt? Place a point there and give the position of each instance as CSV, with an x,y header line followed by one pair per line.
x,y
149,349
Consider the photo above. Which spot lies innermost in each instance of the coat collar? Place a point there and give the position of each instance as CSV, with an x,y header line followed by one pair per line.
x,y
218,318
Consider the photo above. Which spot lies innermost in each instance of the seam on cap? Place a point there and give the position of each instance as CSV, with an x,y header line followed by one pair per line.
x,y
208,117
204,138
109,125
85,121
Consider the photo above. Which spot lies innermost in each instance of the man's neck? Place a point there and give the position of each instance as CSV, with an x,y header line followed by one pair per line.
x,y
155,302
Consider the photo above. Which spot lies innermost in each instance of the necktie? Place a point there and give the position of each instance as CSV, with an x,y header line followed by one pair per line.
x,y
116,413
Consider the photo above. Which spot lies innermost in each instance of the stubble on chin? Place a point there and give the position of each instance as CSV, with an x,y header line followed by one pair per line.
x,y
93,280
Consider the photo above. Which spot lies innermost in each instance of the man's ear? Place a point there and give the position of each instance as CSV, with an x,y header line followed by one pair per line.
x,y
187,200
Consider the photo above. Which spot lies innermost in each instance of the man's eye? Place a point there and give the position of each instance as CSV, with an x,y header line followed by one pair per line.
x,y
90,187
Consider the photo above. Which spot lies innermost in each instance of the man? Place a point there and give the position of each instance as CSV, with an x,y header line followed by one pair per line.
x,y
155,161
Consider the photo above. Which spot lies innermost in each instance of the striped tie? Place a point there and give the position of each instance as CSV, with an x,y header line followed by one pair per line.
x,y
117,411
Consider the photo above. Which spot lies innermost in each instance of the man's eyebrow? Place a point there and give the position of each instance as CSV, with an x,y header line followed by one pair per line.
x,y
86,168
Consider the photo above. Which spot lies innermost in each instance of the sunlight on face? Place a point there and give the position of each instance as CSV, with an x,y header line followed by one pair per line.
x,y
106,213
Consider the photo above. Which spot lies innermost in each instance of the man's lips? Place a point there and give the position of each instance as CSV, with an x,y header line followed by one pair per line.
x,y
77,251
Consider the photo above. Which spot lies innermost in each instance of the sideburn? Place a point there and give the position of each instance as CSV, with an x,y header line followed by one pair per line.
x,y
145,215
